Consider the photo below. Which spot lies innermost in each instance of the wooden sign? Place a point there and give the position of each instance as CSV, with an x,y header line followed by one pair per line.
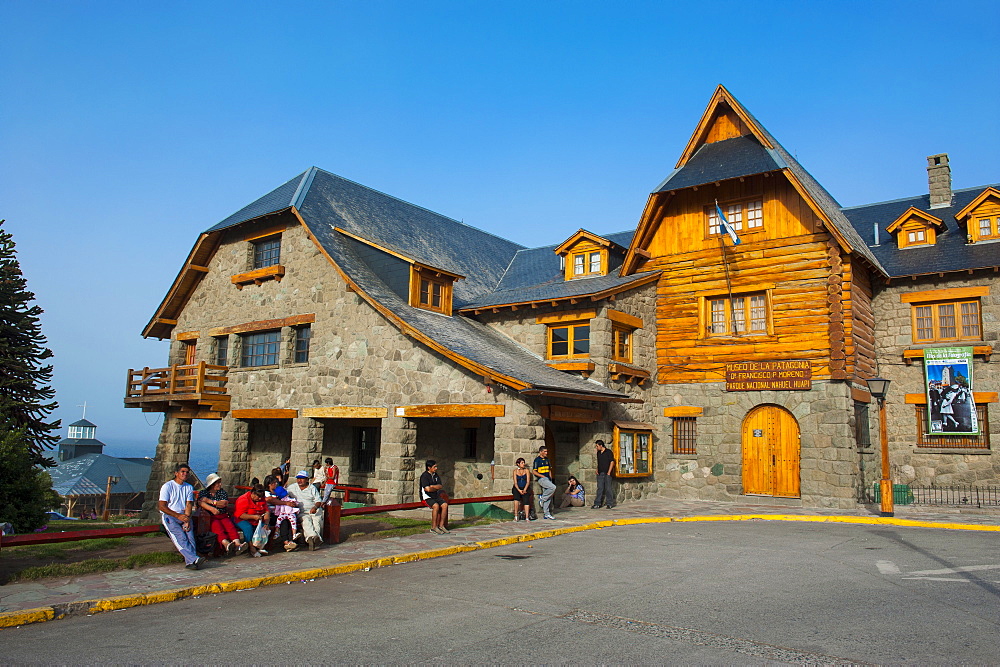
x,y
564,413
769,375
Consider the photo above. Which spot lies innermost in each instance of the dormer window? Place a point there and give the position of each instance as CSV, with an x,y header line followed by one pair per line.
x,y
587,264
982,216
430,289
915,228
585,255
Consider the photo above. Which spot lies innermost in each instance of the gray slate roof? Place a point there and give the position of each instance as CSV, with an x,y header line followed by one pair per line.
x,y
88,475
327,202
83,422
415,232
535,275
950,252
722,160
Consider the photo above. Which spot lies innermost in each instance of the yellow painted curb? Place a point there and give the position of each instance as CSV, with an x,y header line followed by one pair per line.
x,y
12,619
42,614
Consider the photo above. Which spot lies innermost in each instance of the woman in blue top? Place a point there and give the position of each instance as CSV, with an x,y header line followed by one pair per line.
x,y
574,494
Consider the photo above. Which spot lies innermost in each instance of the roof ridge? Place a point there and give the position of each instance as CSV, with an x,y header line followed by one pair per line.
x,y
422,208
894,201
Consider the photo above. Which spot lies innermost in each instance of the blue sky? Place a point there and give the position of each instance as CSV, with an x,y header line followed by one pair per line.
x,y
128,128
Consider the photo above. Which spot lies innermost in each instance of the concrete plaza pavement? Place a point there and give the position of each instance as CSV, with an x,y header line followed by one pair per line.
x,y
23,603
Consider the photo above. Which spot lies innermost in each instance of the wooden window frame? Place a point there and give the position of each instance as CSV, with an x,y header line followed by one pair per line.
x,y
934,306
741,224
588,263
303,338
571,339
424,298
981,441
707,323
619,434
684,435
265,252
470,442
621,343
246,347
862,425
994,224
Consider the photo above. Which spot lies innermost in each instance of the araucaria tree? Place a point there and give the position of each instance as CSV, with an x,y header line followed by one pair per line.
x,y
25,394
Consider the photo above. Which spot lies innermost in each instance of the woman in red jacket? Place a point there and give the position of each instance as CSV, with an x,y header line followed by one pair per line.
x,y
251,509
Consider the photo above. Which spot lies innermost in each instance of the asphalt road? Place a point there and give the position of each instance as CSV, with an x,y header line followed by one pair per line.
x,y
743,593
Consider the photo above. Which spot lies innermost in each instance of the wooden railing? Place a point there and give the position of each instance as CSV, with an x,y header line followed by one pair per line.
x,y
200,378
76,535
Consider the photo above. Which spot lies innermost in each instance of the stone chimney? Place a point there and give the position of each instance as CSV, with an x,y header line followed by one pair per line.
x,y
939,180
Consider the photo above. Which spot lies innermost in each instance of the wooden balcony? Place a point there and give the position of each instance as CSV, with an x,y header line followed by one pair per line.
x,y
195,391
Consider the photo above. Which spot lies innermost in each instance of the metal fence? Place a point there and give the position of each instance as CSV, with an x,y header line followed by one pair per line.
x,y
951,496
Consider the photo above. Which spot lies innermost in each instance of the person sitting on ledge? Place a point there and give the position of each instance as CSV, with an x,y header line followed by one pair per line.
x,y
285,511
251,509
310,507
214,500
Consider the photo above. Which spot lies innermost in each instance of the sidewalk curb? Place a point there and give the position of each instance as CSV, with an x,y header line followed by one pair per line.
x,y
88,607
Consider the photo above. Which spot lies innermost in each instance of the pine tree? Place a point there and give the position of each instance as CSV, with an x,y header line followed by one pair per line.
x,y
25,394
25,489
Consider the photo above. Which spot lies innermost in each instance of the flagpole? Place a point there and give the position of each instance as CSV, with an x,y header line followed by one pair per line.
x,y
725,263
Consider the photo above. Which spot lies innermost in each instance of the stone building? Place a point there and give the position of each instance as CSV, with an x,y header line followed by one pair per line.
x,y
721,347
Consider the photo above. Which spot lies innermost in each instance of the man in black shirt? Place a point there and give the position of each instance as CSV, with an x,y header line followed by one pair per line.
x,y
605,468
430,493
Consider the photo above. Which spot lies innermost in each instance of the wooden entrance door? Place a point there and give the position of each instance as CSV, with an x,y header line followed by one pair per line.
x,y
771,452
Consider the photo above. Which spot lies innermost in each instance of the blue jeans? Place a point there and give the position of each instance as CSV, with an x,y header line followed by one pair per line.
x,y
545,497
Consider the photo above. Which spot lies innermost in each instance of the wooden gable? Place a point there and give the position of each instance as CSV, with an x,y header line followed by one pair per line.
x,y
982,216
915,228
791,290
580,251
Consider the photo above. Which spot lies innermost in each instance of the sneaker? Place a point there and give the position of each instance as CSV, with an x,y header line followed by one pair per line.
x,y
262,552
314,543
434,530
257,554
442,529
549,516
192,566
610,507
595,507
296,537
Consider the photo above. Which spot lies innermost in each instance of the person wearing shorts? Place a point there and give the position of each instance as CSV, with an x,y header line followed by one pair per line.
x,y
523,498
430,493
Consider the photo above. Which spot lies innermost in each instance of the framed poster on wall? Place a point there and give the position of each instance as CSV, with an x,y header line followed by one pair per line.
x,y
951,409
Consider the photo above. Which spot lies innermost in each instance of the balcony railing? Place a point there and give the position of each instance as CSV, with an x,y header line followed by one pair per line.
x,y
200,386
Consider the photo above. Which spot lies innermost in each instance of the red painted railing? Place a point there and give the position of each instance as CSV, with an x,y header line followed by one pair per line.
x,y
75,535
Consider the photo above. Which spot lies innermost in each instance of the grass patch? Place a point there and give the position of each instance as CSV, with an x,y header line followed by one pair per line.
x,y
59,549
97,565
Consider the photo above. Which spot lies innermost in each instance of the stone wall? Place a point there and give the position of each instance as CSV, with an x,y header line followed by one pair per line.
x,y
920,465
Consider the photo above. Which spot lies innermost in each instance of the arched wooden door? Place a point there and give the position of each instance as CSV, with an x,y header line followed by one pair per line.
x,y
771,452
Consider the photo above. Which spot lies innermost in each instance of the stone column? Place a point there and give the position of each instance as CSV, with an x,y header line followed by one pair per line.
x,y
307,443
173,447
395,472
234,452
519,433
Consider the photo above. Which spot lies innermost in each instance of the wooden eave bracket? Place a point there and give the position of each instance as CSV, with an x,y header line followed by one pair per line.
x,y
258,276
984,351
619,371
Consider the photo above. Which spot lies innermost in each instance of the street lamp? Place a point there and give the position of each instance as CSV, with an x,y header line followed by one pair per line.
x,y
878,388
112,480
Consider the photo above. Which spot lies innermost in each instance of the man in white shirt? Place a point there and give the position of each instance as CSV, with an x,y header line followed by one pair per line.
x,y
175,505
310,508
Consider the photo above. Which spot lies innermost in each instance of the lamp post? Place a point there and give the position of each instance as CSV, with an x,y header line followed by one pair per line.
x,y
107,497
878,387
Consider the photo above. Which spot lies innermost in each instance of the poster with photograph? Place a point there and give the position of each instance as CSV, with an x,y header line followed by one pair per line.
x,y
951,409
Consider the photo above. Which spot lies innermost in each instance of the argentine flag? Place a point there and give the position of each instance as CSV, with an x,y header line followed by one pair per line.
x,y
726,227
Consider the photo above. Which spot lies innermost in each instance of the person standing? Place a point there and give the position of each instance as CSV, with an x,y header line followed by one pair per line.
x,y
605,468
522,491
543,471
310,509
332,478
175,504
430,492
